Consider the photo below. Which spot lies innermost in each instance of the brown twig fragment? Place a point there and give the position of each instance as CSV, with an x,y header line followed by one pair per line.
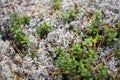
x,y
55,73
15,47
109,57
98,66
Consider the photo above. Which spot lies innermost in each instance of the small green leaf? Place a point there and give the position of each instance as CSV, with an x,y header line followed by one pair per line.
x,y
59,76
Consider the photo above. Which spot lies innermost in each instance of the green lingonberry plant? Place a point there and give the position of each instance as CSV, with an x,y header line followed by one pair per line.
x,y
102,73
78,63
32,54
118,30
21,41
56,4
117,51
110,35
95,24
104,34
117,56
25,20
43,30
63,62
70,15
88,42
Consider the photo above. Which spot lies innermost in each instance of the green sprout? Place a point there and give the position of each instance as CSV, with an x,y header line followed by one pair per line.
x,y
56,4
43,30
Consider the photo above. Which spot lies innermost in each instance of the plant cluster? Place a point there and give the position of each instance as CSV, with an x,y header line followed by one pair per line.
x,y
19,38
102,34
79,63
81,57
43,30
